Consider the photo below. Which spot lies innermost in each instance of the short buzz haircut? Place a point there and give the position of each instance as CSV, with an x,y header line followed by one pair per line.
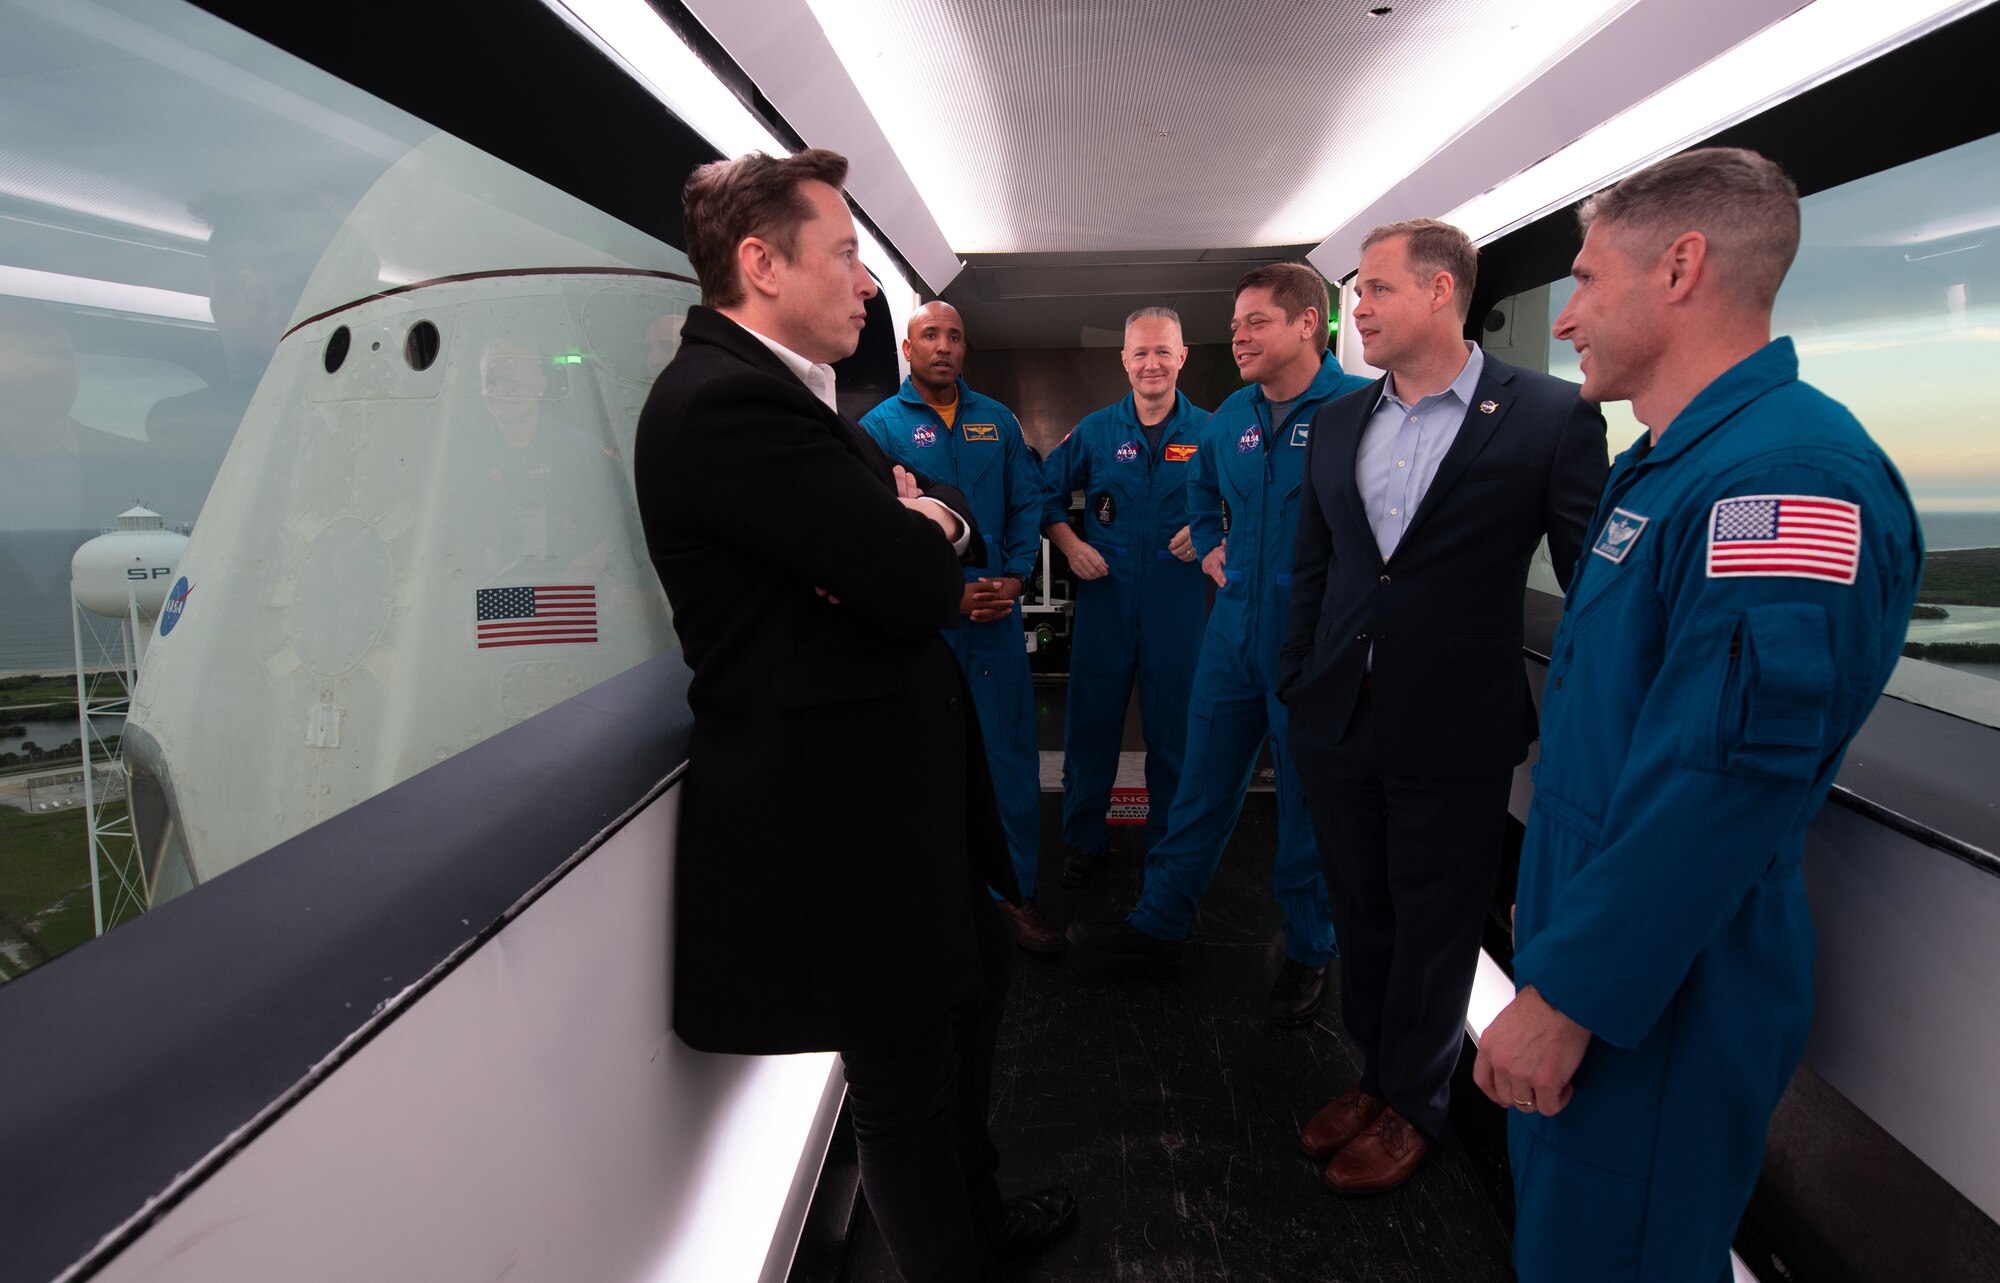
x,y
728,201
1435,247
1294,287
1153,314
1742,203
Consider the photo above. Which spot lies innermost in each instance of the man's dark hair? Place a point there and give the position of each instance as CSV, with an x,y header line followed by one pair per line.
x,y
1742,203
1294,287
1435,247
728,201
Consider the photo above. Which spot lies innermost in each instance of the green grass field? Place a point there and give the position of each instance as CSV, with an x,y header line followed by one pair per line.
x,y
1962,577
44,886
16,692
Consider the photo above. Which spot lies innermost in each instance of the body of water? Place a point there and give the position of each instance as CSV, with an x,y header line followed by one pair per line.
x,y
1947,530
34,599
52,734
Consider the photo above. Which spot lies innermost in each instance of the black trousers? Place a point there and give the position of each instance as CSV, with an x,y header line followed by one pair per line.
x,y
919,1103
1410,866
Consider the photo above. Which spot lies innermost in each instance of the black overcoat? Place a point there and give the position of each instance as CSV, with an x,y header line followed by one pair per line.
x,y
836,805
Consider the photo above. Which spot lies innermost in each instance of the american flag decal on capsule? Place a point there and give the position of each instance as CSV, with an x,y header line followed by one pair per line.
x,y
1785,536
547,615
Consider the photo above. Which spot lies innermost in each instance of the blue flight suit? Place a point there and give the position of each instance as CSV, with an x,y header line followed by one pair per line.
x,y
1256,470
1709,672
985,456
1144,614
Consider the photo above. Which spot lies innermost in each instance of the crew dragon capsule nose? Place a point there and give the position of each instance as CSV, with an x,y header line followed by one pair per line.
x,y
423,531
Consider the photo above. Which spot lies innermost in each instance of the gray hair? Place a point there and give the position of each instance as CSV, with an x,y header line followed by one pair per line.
x,y
1153,314
1742,203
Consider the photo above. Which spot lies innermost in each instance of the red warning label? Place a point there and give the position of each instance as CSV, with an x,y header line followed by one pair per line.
x,y
1128,806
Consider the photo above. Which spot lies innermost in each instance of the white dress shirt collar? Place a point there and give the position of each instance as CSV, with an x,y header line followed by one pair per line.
x,y
817,377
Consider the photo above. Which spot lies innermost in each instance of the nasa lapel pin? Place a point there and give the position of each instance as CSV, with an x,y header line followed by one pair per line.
x,y
1488,407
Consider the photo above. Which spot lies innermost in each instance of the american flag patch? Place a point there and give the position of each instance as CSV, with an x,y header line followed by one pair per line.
x,y
551,615
1788,536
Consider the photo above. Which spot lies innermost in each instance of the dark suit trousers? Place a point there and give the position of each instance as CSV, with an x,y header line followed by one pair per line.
x,y
919,1104
1410,866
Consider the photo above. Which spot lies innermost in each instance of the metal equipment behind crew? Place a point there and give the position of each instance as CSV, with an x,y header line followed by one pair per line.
x,y
938,426
1140,599
1751,571
1245,485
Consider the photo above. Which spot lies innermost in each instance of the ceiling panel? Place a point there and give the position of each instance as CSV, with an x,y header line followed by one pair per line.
x,y
1121,124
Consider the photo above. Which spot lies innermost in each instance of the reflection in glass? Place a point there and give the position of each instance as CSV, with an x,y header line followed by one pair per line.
x,y
362,457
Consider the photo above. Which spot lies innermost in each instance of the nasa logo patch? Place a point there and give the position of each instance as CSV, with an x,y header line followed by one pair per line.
x,y
1252,437
924,437
176,606
1619,536
1127,452
1106,509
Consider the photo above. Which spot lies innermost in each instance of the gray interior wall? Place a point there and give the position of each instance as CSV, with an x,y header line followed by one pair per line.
x,y
1049,389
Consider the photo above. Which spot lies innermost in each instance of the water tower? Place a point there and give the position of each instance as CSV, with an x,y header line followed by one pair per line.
x,y
125,575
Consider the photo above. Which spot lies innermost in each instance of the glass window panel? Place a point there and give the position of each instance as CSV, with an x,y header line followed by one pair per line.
x,y
1894,304
187,216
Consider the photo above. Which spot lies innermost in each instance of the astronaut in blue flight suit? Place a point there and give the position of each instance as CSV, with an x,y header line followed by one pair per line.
x,y
1750,574
1140,598
937,425
1243,498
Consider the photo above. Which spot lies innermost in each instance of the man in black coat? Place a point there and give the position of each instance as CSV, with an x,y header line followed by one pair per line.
x,y
1425,496
818,906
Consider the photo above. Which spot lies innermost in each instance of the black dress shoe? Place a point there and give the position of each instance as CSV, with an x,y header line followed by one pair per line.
x,y
1079,865
1033,1221
1295,997
1119,950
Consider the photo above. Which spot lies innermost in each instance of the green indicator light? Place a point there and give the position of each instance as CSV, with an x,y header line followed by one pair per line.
x,y
571,359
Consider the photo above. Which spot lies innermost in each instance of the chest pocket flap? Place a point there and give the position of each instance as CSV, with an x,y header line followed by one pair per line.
x,y
977,450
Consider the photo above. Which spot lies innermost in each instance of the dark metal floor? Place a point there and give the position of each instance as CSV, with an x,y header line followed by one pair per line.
x,y
1173,1110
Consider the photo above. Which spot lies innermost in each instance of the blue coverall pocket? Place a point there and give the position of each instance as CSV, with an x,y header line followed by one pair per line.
x,y
1576,1220
1767,681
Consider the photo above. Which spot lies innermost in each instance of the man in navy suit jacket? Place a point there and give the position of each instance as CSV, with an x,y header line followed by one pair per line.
x,y
1425,496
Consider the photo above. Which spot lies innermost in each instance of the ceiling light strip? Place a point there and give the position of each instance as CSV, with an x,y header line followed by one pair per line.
x,y
634,36
107,296
1812,46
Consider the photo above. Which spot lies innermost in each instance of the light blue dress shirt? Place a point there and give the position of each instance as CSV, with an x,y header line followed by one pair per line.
x,y
1402,446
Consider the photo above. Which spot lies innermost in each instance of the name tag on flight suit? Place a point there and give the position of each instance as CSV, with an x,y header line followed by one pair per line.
x,y
1619,535
982,432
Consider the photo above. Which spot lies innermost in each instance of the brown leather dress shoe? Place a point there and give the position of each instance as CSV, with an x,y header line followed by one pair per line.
x,y
1030,932
1339,1122
1380,1158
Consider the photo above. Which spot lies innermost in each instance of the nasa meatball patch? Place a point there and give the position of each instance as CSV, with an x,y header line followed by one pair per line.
x,y
1784,536
924,437
1127,452
1252,437
1620,535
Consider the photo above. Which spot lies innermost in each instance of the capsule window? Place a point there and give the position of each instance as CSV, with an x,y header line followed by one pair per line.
x,y
336,348
421,345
